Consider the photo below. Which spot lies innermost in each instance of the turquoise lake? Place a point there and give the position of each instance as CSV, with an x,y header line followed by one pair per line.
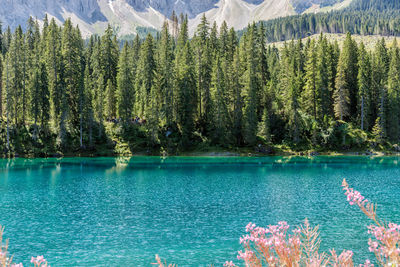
x,y
190,211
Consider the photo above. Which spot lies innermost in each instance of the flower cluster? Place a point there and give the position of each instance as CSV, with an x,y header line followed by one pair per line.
x,y
344,259
386,237
274,243
229,264
386,243
39,261
354,197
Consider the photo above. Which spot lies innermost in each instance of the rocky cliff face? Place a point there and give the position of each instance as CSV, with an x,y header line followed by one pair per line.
x,y
126,15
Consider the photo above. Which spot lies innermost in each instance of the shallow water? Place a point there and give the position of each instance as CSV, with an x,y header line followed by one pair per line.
x,y
191,211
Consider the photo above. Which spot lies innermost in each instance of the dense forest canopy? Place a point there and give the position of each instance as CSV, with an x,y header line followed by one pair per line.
x,y
377,5
171,93
364,17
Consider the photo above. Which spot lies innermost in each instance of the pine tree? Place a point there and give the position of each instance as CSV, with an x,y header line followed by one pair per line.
x,y
109,101
1,86
364,86
224,40
237,101
99,88
109,63
341,96
311,94
125,91
291,84
380,69
54,71
349,63
145,75
71,98
89,90
204,68
393,121
164,77
183,36
6,40
323,79
262,55
214,43
185,93
220,109
16,77
1,38
251,87
8,97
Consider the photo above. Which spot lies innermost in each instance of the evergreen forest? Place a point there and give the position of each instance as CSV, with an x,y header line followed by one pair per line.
x,y
172,93
363,17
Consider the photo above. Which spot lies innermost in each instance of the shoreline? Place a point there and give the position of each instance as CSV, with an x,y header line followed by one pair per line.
x,y
217,154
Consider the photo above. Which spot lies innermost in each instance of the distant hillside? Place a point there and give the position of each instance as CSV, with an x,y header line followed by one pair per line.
x,y
369,41
380,17
377,5
302,5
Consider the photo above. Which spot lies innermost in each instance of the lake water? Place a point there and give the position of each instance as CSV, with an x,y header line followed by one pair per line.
x,y
190,211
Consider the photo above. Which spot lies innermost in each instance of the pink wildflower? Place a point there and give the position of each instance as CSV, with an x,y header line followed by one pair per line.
x,y
17,265
367,264
354,197
250,227
38,260
246,256
373,245
229,264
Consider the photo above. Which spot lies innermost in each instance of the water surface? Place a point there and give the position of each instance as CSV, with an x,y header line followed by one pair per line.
x,y
191,211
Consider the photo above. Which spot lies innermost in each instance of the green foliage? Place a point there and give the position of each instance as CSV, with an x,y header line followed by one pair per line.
x,y
173,94
364,17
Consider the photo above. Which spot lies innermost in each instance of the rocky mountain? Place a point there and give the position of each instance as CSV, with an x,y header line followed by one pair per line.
x,y
127,16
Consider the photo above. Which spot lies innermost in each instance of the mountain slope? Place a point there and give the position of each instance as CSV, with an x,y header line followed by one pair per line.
x,y
126,16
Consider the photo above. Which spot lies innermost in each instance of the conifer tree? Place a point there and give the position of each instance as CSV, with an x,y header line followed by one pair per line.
x,y
16,77
349,63
237,101
324,85
204,67
125,91
341,96
54,71
185,89
110,107
108,64
1,38
1,86
145,75
8,98
251,87
311,95
89,83
220,109
291,84
6,40
165,75
380,69
364,86
71,98
393,121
